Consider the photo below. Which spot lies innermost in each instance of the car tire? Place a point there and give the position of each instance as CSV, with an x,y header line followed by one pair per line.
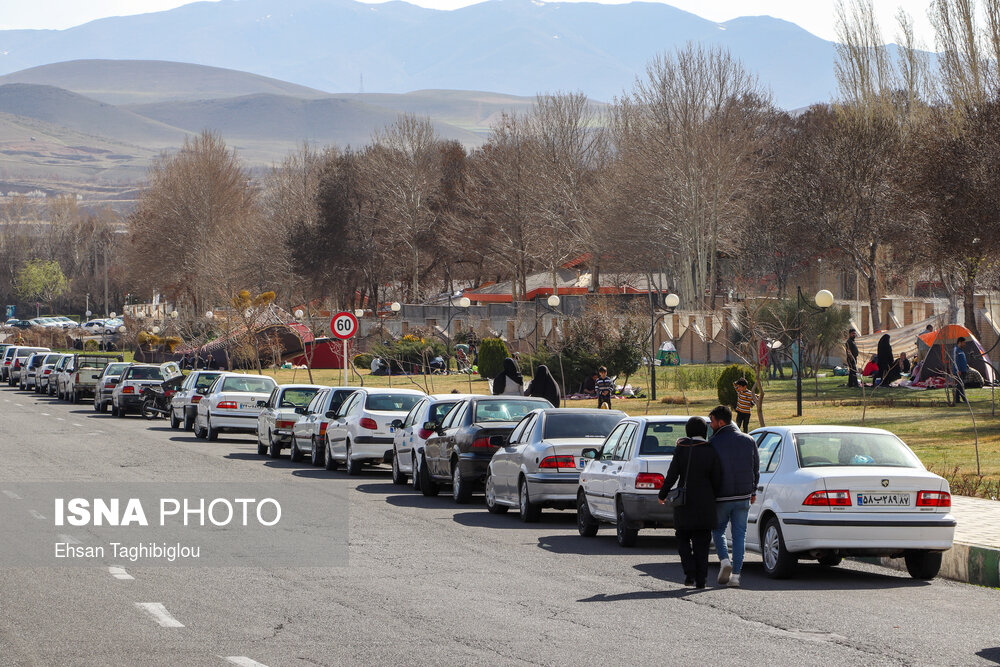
x,y
461,489
527,510
626,536
76,397
329,462
428,486
779,563
353,466
188,422
492,506
398,478
586,524
210,433
199,431
294,453
317,454
923,564
415,477
830,560
122,412
146,409
175,423
114,410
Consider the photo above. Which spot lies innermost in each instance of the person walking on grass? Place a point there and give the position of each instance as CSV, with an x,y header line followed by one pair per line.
x,y
740,464
961,366
745,400
695,467
605,387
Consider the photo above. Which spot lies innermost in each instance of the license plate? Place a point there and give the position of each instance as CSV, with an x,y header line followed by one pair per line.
x,y
883,499
247,406
392,429
582,463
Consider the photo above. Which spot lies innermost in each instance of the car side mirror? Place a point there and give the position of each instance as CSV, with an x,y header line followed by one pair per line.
x,y
263,404
432,426
298,410
397,423
498,440
331,414
590,453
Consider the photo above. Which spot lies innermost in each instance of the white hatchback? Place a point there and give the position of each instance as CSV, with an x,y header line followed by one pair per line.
x,y
411,432
362,431
231,404
826,492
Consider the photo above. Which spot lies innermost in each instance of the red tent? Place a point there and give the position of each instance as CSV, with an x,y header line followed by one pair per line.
x,y
940,345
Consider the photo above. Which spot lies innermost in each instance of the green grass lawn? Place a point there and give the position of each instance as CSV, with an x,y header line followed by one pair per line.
x,y
944,437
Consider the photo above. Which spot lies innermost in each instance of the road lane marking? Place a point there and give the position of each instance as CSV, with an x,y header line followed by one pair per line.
x,y
69,539
12,495
75,424
243,661
37,515
60,419
159,614
45,414
120,573
19,405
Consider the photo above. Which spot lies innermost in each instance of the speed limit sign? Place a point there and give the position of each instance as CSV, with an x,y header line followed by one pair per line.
x,y
344,325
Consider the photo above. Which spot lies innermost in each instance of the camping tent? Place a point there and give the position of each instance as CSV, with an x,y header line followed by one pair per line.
x,y
942,342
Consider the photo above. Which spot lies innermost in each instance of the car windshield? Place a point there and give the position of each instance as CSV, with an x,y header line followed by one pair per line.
x,y
509,410
659,438
143,373
205,380
575,425
391,402
115,369
248,384
853,449
52,358
297,398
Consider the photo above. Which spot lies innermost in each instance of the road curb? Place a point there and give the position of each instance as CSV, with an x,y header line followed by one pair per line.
x,y
968,563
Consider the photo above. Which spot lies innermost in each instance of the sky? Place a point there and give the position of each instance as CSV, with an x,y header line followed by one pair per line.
x,y
816,16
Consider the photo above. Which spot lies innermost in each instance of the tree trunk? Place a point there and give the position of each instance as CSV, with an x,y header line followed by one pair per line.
x,y
969,305
873,304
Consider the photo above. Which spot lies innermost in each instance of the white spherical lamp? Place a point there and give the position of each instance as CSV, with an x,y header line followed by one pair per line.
x,y
359,312
155,330
672,300
299,314
396,306
174,314
209,314
553,301
464,302
824,298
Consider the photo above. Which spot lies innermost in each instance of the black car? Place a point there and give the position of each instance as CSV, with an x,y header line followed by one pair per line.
x,y
460,450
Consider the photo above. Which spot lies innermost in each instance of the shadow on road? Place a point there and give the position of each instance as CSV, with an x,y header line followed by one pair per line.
x,y
509,521
606,545
415,500
380,487
991,654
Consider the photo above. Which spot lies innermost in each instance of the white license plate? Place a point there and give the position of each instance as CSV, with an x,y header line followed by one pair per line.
x,y
883,499
247,406
582,463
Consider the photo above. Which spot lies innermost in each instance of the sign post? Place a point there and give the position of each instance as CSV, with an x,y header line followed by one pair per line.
x,y
344,325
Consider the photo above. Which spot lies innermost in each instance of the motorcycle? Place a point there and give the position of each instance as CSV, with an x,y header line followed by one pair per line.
x,y
156,398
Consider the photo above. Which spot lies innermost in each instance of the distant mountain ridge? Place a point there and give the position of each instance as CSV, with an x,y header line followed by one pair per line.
x,y
520,47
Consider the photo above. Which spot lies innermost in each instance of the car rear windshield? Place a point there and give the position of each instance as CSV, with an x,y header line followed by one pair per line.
x,y
143,373
115,369
659,438
205,380
569,425
91,362
248,384
297,398
853,449
339,396
509,410
439,411
24,354
391,402
51,358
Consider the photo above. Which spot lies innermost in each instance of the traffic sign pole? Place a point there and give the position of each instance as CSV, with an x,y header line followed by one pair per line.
x,y
344,325
343,373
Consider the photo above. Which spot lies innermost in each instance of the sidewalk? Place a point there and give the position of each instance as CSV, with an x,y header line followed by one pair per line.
x,y
975,557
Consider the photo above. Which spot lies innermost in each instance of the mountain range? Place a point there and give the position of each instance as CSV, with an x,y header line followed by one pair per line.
x,y
519,47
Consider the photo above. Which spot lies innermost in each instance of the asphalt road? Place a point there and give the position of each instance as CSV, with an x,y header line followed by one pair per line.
x,y
432,583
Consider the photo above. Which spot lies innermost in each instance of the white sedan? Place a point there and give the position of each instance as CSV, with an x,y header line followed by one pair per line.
x,y
826,492
230,405
362,431
411,432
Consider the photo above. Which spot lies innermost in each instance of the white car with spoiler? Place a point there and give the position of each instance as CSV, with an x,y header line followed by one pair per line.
x,y
826,492
231,404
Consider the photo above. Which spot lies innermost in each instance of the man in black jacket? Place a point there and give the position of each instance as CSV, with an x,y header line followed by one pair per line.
x,y
740,475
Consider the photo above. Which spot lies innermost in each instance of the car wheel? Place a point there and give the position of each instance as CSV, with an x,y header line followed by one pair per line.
x,y
329,462
274,447
146,409
175,423
398,478
626,536
353,467
461,489
188,422
210,433
586,524
830,560
316,453
778,562
529,511
428,486
294,454
114,410
491,496
415,476
199,431
76,397
121,412
923,564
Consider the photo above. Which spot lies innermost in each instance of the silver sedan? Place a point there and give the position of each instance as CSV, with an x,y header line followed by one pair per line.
x,y
539,465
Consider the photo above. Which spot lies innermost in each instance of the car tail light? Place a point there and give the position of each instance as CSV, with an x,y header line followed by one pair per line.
x,y
368,422
17,363
425,433
128,390
169,392
109,385
839,498
559,461
226,405
933,499
283,423
196,398
482,443
78,378
649,480
322,427
47,371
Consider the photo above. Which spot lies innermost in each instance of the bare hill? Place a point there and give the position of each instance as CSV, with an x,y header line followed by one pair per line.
x,y
147,81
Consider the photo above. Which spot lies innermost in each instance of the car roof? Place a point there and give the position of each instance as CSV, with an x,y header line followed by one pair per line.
x,y
508,397
578,411
818,428
453,397
301,386
389,390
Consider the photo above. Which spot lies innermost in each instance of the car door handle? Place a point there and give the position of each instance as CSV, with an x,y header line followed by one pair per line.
x,y
760,488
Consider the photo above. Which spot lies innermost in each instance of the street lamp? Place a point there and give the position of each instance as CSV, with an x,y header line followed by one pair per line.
x,y
670,303
209,315
552,302
174,314
823,300
395,306
359,312
155,330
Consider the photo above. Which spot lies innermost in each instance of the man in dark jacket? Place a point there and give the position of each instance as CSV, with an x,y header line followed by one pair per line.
x,y
740,474
696,466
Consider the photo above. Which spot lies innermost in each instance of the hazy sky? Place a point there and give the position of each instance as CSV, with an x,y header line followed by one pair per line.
x,y
817,16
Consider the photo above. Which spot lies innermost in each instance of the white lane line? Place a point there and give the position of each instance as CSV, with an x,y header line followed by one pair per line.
x,y
11,495
6,400
159,614
35,514
68,539
120,573
242,660
79,425
60,419
45,414
19,405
